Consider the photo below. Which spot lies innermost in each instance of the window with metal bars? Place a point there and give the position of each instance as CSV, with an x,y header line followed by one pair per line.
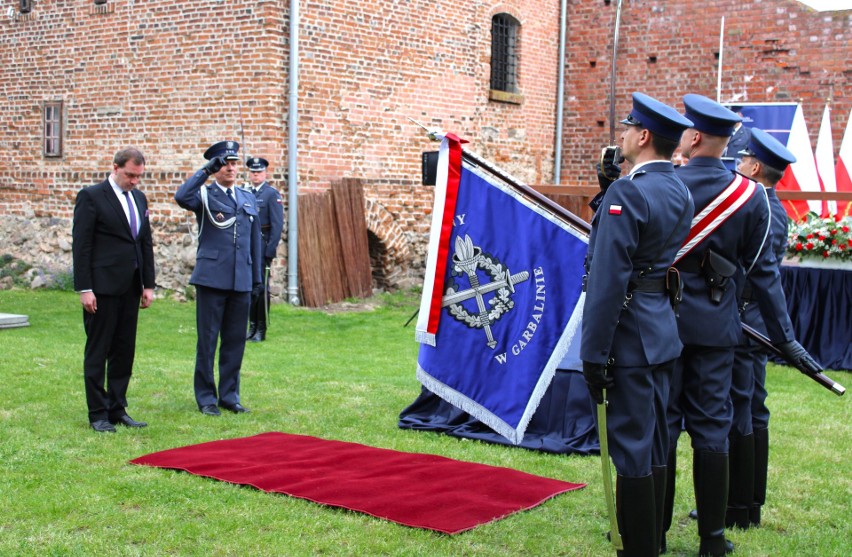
x,y
52,146
504,53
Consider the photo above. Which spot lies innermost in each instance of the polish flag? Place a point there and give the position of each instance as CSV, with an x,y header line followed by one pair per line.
x,y
843,170
824,157
802,174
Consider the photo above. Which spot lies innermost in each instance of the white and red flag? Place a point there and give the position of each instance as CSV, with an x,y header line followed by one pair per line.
x,y
802,174
843,170
824,157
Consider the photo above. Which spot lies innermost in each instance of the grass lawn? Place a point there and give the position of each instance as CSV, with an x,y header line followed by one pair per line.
x,y
67,490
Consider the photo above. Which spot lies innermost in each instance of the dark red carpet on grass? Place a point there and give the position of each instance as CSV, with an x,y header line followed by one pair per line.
x,y
418,490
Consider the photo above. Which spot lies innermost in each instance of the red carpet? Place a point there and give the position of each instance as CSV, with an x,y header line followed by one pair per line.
x,y
418,490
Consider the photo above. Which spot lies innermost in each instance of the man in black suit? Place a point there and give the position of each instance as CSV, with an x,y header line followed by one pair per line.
x,y
114,274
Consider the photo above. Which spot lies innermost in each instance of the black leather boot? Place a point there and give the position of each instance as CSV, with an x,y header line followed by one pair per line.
x,y
710,478
761,466
634,507
741,480
668,502
252,330
260,332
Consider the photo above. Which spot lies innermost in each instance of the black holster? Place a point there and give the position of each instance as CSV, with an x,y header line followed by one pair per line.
x,y
674,287
716,271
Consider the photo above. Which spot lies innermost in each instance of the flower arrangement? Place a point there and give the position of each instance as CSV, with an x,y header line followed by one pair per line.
x,y
821,237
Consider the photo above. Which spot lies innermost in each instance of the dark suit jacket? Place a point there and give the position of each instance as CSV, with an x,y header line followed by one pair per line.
x,y
106,257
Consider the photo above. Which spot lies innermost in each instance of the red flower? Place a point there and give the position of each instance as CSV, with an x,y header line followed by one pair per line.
x,y
809,245
809,236
845,229
825,254
833,231
799,246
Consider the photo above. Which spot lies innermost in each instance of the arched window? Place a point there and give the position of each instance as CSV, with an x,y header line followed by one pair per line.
x,y
504,53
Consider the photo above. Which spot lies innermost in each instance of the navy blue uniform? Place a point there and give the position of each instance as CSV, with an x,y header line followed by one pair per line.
x,y
738,141
635,332
228,265
748,390
710,331
271,212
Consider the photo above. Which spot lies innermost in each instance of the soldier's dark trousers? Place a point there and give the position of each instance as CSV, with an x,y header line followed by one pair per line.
x,y
219,314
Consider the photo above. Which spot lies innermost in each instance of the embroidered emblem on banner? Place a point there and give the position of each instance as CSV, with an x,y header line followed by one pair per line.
x,y
466,260
220,217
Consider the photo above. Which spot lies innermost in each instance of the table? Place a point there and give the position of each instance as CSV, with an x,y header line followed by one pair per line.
x,y
819,302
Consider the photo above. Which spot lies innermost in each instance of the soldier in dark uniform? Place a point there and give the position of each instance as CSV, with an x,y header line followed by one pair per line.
x,y
271,210
629,337
227,270
728,235
740,138
764,160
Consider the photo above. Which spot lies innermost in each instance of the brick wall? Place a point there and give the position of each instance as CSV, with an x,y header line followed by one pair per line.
x,y
774,51
171,77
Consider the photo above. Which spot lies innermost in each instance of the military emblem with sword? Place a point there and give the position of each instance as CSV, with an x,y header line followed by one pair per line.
x,y
466,260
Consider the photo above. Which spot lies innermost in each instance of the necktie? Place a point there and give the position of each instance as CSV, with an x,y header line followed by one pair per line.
x,y
231,197
132,213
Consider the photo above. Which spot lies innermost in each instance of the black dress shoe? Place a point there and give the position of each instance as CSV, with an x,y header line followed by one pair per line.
x,y
103,426
210,410
235,408
127,421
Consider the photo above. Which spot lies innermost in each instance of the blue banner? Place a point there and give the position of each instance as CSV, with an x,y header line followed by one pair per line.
x,y
512,302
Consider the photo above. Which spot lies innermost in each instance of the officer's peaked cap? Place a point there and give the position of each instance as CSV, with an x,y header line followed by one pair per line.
x,y
656,117
256,164
768,150
710,117
225,149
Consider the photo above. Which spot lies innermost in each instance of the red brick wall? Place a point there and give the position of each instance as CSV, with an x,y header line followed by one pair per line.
x,y
170,77
774,51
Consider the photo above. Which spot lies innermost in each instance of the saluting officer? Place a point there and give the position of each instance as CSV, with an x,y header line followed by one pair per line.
x,y
764,160
271,211
728,236
629,337
227,269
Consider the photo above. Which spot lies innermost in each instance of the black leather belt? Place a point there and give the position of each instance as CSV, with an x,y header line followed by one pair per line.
x,y
691,264
647,285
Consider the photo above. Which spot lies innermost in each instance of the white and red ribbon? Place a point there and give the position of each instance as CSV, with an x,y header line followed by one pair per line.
x,y
717,212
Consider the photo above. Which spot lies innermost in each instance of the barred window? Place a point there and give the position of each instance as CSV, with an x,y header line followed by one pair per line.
x,y
52,129
26,6
504,53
